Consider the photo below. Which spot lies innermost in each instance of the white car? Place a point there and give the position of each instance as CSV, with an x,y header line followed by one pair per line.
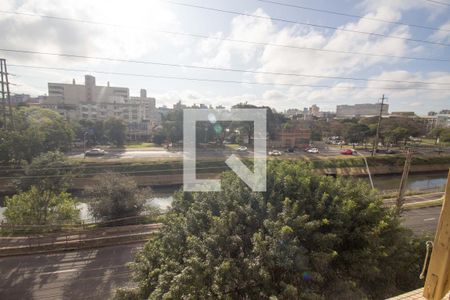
x,y
95,152
275,153
313,150
242,148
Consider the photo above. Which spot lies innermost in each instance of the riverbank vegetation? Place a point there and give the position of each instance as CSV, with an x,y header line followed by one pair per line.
x,y
307,237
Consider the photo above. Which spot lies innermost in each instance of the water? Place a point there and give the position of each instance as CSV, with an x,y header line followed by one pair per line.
x,y
162,197
418,181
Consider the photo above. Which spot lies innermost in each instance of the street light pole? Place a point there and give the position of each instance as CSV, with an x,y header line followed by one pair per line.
x,y
84,143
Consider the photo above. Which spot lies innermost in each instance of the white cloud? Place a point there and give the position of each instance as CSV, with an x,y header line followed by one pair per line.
x,y
218,53
443,35
130,39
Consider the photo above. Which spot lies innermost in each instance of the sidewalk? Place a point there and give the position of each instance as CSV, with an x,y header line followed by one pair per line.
x,y
76,239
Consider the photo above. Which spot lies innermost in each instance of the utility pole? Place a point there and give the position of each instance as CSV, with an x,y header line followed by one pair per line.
x,y
6,96
401,193
377,136
3,94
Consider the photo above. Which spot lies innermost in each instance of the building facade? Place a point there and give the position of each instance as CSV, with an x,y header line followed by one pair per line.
x,y
293,136
92,102
361,110
443,120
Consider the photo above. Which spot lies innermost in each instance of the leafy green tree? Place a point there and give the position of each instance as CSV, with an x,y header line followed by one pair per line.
x,y
357,133
115,131
397,134
445,135
307,237
91,132
436,134
37,207
116,196
173,125
49,171
36,131
159,137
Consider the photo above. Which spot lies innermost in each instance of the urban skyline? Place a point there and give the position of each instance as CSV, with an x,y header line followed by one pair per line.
x,y
396,44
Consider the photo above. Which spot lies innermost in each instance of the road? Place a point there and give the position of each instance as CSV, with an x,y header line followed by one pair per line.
x,y
208,153
422,220
84,274
416,198
96,273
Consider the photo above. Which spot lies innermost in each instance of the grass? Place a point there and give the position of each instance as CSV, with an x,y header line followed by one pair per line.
x,y
432,142
232,146
140,145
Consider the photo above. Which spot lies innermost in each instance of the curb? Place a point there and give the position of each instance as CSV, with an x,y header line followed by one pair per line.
x,y
76,244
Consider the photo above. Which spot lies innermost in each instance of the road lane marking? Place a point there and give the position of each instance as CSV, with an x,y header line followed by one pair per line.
x,y
429,219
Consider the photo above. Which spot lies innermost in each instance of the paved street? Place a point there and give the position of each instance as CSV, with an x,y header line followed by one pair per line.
x,y
416,198
225,152
85,274
423,220
94,274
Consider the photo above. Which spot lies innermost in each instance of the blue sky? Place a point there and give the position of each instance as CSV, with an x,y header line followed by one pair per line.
x,y
136,37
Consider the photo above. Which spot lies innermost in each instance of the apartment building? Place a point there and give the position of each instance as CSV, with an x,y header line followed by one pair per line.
x,y
89,101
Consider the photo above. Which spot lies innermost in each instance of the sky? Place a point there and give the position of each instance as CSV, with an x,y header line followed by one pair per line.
x,y
143,30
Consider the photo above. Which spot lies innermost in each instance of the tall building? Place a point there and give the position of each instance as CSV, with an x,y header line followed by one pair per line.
x,y
88,92
93,102
361,110
314,110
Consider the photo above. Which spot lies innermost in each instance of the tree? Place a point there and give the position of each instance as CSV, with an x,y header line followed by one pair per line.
x,y
357,133
159,137
307,237
397,134
115,131
36,207
116,196
92,132
445,135
49,171
36,131
173,125
440,134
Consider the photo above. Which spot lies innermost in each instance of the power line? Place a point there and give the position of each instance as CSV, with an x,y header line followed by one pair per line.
x,y
352,15
304,23
438,2
223,80
206,37
216,68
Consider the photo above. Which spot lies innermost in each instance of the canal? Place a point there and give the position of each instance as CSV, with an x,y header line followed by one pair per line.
x,y
162,196
416,182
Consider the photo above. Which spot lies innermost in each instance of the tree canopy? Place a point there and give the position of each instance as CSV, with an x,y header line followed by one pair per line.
x,y
115,196
307,237
36,207
115,131
48,171
36,131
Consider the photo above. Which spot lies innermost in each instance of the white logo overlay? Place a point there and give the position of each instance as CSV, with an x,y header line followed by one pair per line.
x,y
256,180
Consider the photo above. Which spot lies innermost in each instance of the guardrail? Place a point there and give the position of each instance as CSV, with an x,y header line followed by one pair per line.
x,y
69,240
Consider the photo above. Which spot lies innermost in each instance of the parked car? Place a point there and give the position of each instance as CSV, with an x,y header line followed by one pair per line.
x,y
385,151
290,150
348,152
242,149
95,152
313,150
275,153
